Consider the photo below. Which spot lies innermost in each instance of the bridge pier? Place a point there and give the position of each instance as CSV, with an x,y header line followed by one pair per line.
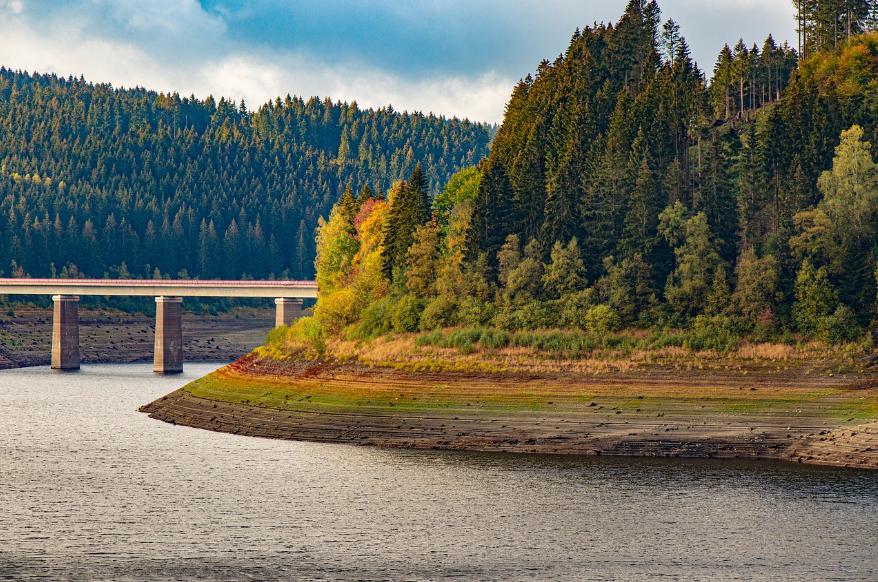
x,y
65,333
288,310
168,358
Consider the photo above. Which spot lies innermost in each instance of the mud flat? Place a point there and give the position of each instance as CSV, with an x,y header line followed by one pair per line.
x,y
112,337
798,412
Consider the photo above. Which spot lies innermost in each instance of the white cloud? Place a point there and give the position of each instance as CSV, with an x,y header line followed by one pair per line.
x,y
257,80
66,51
175,16
255,77
14,6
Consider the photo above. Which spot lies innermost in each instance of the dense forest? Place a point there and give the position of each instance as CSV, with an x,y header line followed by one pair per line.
x,y
623,190
98,181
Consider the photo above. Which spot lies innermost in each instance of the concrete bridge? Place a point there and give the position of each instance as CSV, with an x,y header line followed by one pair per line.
x,y
168,358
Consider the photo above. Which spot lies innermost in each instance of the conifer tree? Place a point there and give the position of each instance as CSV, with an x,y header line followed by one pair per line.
x,y
489,224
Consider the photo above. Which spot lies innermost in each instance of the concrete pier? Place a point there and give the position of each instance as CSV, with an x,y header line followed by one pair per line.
x,y
65,333
288,310
168,335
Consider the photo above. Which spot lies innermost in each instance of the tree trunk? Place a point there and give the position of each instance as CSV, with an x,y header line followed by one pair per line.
x,y
727,112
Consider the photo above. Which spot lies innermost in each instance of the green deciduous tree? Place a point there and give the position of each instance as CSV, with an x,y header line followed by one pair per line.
x,y
689,285
566,271
816,298
756,289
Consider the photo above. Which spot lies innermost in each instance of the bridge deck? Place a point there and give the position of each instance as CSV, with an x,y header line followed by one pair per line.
x,y
156,288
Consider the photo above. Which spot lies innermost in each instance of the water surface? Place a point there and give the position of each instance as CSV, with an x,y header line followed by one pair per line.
x,y
90,489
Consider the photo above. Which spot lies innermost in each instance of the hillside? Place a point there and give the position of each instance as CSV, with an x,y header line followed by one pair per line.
x,y
624,192
643,265
97,180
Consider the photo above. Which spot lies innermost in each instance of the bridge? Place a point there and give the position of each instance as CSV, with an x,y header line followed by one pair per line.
x,y
168,356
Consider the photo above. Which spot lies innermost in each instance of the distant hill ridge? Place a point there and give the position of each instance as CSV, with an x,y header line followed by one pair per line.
x,y
100,180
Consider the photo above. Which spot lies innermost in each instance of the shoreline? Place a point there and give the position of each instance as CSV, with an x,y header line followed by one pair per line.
x,y
632,414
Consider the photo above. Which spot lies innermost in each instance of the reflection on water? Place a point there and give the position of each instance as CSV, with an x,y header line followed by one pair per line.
x,y
90,489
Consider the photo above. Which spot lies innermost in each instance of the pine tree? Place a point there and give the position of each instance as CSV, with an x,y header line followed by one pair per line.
x,y
489,224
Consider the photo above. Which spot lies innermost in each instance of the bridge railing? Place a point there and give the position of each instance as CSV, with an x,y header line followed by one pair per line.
x,y
159,287
156,282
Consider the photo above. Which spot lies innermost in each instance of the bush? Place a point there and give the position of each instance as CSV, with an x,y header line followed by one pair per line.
x,y
575,306
494,339
311,331
440,312
538,315
376,319
720,333
841,326
275,338
602,319
660,339
555,341
508,318
474,312
464,339
338,309
434,338
407,315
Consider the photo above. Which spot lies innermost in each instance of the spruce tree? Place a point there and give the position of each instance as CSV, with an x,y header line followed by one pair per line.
x,y
489,224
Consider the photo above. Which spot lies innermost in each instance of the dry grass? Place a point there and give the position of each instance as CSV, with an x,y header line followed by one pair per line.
x,y
404,352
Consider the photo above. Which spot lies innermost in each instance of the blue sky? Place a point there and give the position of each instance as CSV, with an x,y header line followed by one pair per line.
x,y
452,57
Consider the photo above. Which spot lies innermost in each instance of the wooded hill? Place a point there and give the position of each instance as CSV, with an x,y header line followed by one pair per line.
x,y
101,181
623,190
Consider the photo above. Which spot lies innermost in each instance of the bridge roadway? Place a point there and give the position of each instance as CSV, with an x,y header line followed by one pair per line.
x,y
168,356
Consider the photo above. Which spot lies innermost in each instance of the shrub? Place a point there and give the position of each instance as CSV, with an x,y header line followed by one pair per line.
x,y
555,341
660,339
407,315
574,307
275,338
376,319
312,331
434,338
338,309
602,319
463,339
494,339
508,318
841,326
440,312
571,343
473,312
538,315
720,333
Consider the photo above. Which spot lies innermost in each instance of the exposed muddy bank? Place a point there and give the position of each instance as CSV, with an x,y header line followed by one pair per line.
x,y
652,413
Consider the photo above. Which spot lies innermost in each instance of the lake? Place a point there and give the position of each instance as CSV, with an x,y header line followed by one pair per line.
x,y
91,489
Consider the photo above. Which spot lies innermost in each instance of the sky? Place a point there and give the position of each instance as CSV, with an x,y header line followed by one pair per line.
x,y
451,57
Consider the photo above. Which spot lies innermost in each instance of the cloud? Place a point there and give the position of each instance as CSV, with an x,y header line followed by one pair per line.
x,y
255,75
14,6
452,57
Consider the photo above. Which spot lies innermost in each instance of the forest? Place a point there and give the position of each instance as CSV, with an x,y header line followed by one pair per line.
x,y
625,191
99,181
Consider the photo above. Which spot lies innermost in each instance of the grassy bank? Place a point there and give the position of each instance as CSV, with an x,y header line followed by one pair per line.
x,y
400,375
